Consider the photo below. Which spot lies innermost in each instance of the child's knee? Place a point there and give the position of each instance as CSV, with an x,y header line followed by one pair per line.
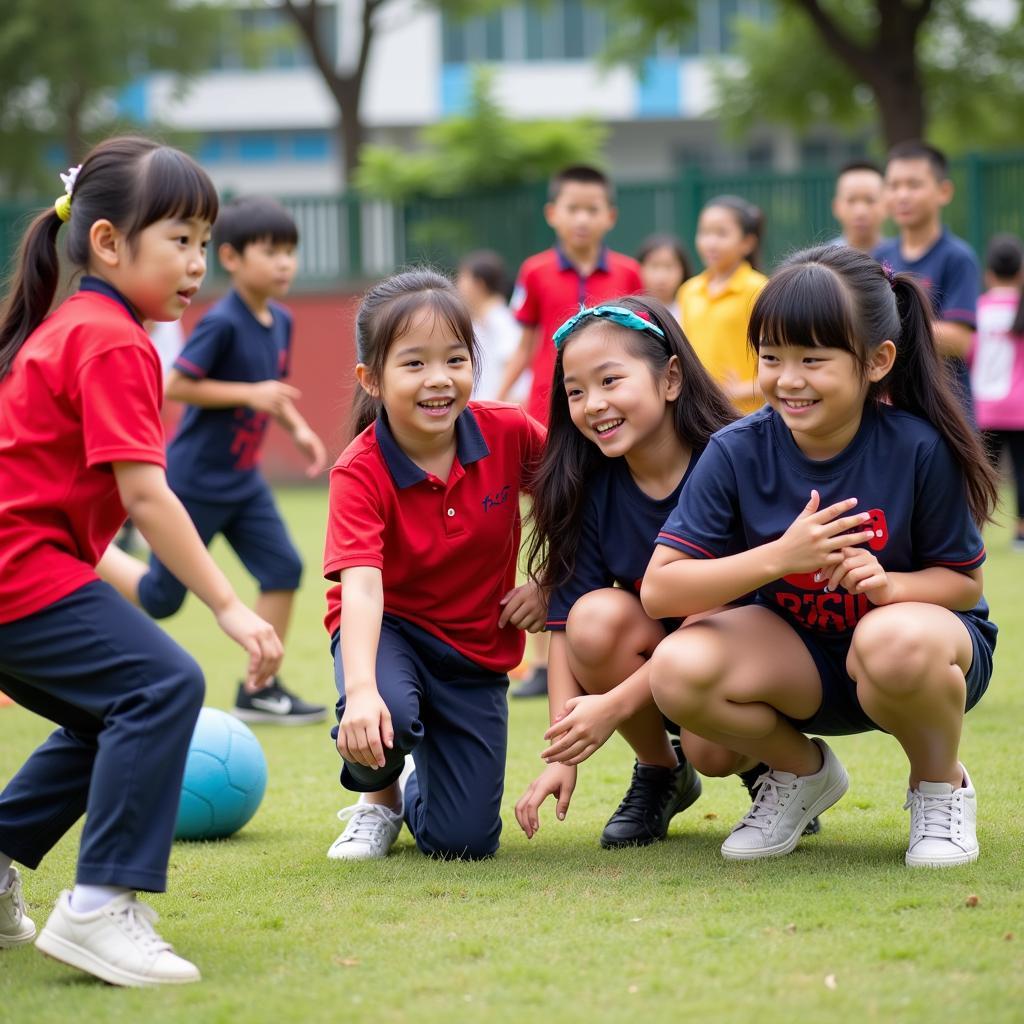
x,y
685,667
596,624
459,842
160,595
893,654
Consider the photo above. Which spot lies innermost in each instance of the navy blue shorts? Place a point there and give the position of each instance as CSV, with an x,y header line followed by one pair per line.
x,y
840,713
452,716
257,534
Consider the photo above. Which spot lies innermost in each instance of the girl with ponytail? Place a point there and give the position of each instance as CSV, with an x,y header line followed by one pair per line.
x,y
856,498
81,444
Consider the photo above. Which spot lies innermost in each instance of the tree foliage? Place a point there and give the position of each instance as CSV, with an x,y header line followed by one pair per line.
x,y
62,65
481,149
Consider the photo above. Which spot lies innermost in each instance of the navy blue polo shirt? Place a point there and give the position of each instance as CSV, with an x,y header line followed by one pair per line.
x,y
215,453
446,549
618,535
950,274
753,481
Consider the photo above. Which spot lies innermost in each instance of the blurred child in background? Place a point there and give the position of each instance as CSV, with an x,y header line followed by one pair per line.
x,y
715,305
664,267
482,282
997,362
230,375
859,205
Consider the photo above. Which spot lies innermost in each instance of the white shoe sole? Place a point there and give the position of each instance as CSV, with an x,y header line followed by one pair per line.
x,y
268,718
822,804
70,953
11,941
952,861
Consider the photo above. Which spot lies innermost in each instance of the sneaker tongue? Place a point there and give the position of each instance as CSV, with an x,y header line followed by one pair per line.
x,y
935,788
786,777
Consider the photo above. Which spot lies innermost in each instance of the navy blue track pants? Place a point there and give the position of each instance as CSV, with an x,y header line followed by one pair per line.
x,y
126,698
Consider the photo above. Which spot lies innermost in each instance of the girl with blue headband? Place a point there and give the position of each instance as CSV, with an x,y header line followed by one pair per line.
x,y
631,410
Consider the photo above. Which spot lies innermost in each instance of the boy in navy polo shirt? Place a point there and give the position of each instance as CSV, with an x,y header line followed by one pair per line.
x,y
230,376
579,270
918,186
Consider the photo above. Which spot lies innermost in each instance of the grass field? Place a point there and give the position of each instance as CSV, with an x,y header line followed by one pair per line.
x,y
557,929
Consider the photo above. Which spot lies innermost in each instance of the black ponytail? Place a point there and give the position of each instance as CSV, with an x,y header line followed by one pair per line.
x,y
833,296
32,287
559,485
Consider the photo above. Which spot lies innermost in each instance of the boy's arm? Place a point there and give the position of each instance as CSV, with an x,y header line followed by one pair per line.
x,y
305,438
519,362
270,396
952,338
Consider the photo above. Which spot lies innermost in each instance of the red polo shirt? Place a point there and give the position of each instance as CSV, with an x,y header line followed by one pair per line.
x,y
549,290
84,391
447,550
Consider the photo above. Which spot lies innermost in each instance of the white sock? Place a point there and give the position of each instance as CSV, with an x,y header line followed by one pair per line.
x,y
87,898
5,872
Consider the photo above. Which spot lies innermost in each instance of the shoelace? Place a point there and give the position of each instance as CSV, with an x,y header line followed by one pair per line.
x,y
638,798
767,801
137,920
931,815
365,821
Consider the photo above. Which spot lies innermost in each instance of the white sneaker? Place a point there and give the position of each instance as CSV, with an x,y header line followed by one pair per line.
x,y
943,824
783,806
16,927
370,833
116,943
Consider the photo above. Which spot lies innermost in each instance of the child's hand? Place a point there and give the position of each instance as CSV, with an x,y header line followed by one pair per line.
x,y
557,780
246,628
582,728
313,448
860,572
365,730
272,396
525,607
815,539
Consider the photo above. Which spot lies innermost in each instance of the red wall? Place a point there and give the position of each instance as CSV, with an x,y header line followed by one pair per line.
x,y
323,362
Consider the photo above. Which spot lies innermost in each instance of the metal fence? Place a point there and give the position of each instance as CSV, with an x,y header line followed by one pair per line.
x,y
347,240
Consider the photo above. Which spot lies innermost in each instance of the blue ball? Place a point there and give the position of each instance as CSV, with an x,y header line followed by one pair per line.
x,y
225,777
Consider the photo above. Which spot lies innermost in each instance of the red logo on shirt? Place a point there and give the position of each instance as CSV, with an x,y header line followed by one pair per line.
x,y
245,445
831,611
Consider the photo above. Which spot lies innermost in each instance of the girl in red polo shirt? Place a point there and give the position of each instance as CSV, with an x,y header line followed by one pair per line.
x,y
423,537
81,444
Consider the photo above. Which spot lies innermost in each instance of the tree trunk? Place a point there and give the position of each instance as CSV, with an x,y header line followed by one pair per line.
x,y
350,130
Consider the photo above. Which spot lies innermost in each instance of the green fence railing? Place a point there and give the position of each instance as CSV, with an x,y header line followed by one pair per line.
x,y
347,240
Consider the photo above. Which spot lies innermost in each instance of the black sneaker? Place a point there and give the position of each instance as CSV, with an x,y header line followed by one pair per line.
x,y
536,685
654,797
276,705
750,779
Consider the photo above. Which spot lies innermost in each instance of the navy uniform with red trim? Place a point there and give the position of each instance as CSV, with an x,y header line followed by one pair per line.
x,y
618,535
753,481
447,553
213,459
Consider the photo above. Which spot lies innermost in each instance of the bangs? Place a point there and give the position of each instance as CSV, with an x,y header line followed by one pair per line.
x,y
804,305
172,185
445,307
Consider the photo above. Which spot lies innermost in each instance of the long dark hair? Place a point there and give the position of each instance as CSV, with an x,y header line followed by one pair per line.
x,y
749,217
130,181
1003,260
833,296
384,316
560,483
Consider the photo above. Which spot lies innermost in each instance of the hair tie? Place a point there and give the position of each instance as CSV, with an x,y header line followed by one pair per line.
x,y
63,203
635,320
888,271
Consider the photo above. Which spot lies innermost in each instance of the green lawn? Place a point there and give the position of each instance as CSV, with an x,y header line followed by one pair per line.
x,y
558,929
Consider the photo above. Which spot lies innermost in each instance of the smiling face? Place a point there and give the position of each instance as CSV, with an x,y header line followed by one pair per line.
x,y
615,398
820,392
914,193
721,243
160,270
426,380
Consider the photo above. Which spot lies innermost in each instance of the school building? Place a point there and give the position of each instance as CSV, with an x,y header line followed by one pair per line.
x,y
271,129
